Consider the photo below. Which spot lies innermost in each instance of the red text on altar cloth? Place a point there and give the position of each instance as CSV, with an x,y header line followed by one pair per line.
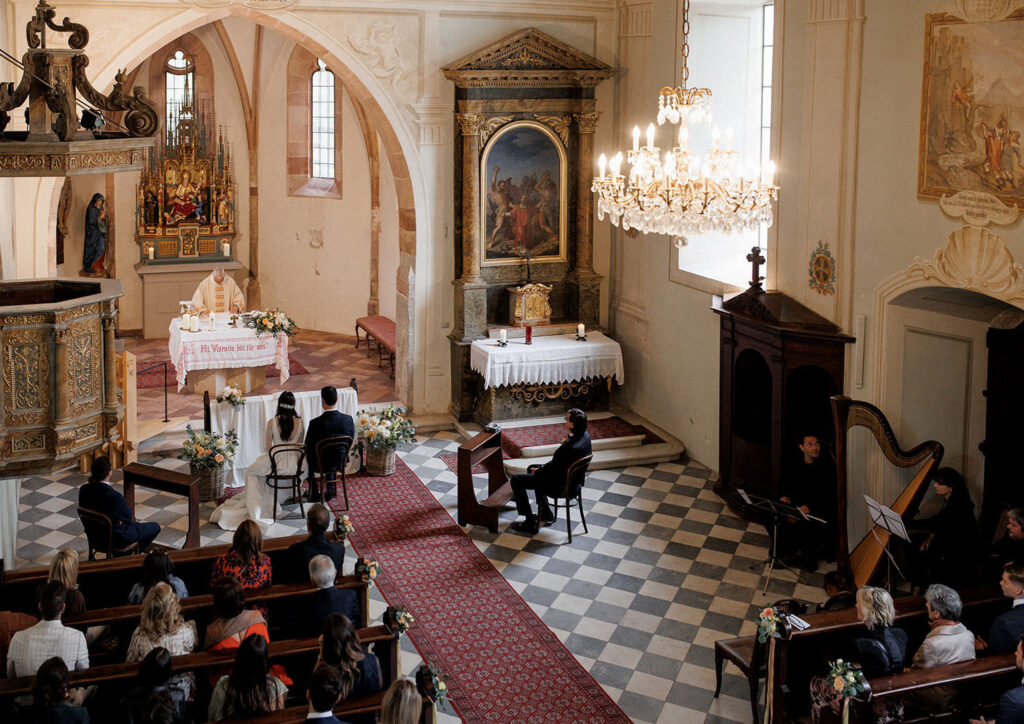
x,y
239,347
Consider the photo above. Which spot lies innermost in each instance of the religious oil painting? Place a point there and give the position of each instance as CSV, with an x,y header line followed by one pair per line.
x,y
972,108
523,178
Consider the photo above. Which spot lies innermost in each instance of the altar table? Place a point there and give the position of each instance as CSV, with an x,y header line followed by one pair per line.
x,y
239,356
250,423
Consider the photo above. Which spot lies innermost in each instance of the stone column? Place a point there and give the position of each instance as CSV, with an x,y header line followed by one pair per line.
x,y
469,124
584,283
109,364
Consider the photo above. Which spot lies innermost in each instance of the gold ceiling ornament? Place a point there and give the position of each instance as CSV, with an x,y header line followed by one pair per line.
x,y
680,194
70,127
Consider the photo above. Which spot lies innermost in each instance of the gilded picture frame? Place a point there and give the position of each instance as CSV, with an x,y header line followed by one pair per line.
x,y
523,192
972,108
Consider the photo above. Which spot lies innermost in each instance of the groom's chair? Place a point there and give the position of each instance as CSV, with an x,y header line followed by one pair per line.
x,y
335,450
281,478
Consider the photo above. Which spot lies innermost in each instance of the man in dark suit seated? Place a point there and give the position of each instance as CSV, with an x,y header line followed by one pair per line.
x,y
327,600
1007,628
549,478
810,485
327,687
330,424
318,520
1010,547
97,494
1011,704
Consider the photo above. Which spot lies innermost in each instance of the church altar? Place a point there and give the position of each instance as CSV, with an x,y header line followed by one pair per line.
x,y
547,377
250,421
226,356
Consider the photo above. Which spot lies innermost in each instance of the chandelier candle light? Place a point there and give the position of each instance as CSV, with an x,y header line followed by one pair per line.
x,y
679,193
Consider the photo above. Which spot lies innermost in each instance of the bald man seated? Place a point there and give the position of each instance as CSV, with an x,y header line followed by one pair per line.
x,y
218,293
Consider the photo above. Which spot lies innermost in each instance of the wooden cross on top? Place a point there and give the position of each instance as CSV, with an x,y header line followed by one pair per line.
x,y
756,260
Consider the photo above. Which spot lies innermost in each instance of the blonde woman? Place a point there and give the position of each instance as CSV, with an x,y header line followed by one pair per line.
x,y
162,625
402,703
64,568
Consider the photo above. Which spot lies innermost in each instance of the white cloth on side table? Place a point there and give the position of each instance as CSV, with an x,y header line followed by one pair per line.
x,y
257,501
250,423
225,348
548,361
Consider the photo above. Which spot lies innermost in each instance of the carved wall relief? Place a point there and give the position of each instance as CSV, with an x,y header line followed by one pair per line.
x,y
26,377
85,370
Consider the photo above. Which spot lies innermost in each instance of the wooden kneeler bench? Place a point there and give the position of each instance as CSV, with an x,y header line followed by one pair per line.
x,y
382,331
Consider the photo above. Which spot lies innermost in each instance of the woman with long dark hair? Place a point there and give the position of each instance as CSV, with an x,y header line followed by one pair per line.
x,y
340,647
946,545
156,568
245,560
250,689
49,697
256,503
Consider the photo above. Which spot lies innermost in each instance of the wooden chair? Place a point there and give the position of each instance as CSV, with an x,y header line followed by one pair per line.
x,y
99,532
293,479
750,656
575,478
328,446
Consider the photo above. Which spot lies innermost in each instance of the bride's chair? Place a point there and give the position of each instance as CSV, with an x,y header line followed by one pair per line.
x,y
281,478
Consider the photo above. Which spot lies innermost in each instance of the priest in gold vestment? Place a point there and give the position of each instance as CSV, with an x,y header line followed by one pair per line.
x,y
218,293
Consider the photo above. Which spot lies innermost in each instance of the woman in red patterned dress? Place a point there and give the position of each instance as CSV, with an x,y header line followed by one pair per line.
x,y
245,560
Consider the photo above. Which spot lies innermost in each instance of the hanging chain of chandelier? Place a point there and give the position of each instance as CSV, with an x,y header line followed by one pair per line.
x,y
679,193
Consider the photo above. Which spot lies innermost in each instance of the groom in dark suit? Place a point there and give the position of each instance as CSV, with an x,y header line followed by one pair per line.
x,y
96,494
330,424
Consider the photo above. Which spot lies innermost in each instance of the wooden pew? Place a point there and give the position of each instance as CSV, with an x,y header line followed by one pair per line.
x,y
799,655
484,449
385,644
193,605
364,709
107,582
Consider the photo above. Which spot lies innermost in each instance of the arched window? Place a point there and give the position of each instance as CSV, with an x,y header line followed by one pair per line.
x,y
323,122
179,85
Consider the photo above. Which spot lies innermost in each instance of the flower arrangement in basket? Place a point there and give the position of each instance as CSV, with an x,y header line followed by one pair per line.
x,y
367,568
343,527
848,681
431,682
768,624
274,322
232,395
208,450
398,619
380,433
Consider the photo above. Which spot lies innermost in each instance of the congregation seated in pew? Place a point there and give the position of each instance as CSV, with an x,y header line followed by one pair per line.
x,y
48,638
318,521
50,697
340,647
1007,628
251,689
156,568
245,561
155,691
401,703
326,601
64,568
327,688
162,626
1011,703
1009,547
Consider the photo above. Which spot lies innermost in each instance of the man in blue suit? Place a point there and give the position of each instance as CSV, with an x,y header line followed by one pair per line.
x,y
1011,704
1007,628
98,495
327,600
330,424
327,687
318,520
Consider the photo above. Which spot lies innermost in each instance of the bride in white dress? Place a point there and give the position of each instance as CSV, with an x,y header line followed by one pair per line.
x,y
257,501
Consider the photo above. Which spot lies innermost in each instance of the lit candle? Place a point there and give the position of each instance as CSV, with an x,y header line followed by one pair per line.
x,y
186,321
636,138
650,136
581,330
150,252
602,162
194,323
502,336
770,172
227,248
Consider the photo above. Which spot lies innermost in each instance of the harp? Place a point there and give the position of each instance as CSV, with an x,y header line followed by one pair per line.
x,y
857,566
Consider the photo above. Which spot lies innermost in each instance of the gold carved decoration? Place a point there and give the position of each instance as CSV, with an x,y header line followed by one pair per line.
x,y
524,59
84,367
76,313
189,240
532,304
26,377
27,442
561,391
25,319
587,122
559,124
492,124
469,123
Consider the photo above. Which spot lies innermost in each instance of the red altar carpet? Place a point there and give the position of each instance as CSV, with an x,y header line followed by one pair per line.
x,y
155,377
501,662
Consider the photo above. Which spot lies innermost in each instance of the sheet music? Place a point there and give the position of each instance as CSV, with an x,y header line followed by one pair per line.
x,y
887,518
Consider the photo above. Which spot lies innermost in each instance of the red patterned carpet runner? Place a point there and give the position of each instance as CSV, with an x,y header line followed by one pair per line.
x,y
155,377
501,662
514,439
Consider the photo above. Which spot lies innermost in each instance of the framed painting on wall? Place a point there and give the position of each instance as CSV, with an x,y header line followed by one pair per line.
x,y
523,179
972,108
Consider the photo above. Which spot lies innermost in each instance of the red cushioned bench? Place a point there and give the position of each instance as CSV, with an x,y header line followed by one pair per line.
x,y
382,331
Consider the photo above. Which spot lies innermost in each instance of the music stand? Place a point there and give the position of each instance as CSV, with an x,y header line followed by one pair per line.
x,y
777,510
890,521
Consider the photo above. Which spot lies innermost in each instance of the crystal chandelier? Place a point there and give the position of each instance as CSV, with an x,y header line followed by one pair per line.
x,y
681,194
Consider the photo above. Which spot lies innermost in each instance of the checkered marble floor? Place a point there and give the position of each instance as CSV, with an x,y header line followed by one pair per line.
x,y
665,570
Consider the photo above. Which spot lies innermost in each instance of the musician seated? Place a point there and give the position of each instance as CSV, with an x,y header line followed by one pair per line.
x,y
810,485
1010,546
944,547
1007,628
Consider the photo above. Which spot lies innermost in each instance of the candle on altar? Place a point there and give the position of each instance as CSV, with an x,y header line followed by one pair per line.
x,y
150,252
502,336
213,321
194,326
227,248
186,321
581,331
529,334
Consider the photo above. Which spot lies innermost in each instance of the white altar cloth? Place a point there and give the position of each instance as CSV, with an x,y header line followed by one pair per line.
x,y
225,348
250,423
548,361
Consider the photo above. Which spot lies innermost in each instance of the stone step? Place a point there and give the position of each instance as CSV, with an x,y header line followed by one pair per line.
x,y
661,452
607,443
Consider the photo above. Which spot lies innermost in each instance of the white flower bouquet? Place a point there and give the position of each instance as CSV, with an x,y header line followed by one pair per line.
x,y
232,395
384,429
208,450
274,322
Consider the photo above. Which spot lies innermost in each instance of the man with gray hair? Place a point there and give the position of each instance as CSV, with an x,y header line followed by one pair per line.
x,y
218,293
948,642
328,599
